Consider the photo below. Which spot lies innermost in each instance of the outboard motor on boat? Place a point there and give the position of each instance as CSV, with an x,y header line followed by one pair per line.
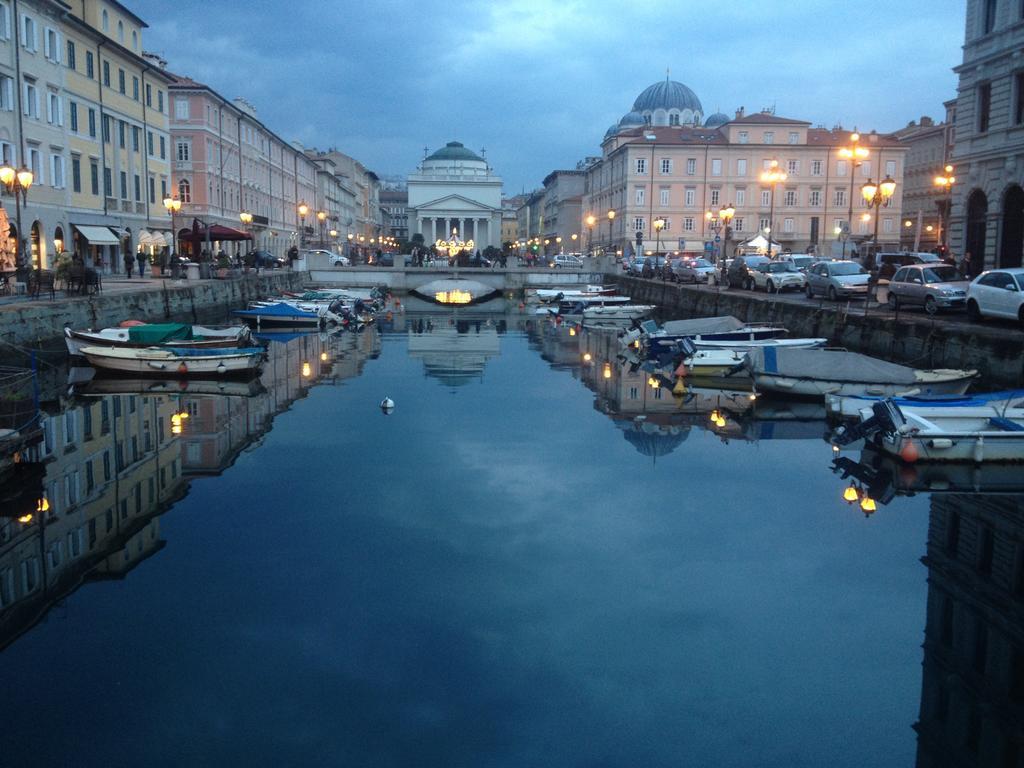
x,y
685,347
886,418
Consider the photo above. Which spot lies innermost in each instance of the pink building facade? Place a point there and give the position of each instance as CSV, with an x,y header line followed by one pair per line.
x,y
224,161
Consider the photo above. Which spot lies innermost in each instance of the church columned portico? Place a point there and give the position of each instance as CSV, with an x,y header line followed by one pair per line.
x,y
456,189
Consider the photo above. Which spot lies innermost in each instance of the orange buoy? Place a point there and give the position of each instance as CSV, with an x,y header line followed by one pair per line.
x,y
182,368
909,452
129,323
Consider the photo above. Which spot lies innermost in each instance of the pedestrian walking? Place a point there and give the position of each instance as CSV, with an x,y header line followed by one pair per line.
x,y
129,264
966,266
140,259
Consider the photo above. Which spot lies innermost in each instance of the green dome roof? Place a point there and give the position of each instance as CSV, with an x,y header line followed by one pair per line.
x,y
454,150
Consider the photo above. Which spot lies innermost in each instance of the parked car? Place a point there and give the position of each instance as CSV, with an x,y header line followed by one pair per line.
x,y
341,261
266,260
689,270
738,275
801,261
634,265
997,293
566,260
886,263
837,279
478,260
933,286
388,260
653,266
777,276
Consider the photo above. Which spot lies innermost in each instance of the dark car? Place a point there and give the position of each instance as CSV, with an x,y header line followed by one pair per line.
x,y
266,260
478,260
739,274
653,266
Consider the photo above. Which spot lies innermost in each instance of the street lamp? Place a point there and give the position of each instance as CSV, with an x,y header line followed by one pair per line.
x,y
945,181
611,218
772,177
303,212
725,216
591,220
875,195
246,219
173,205
17,183
321,217
856,154
659,224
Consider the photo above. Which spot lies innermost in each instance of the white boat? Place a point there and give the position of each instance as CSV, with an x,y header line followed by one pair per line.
x,y
852,407
162,334
578,306
711,362
548,295
658,340
174,361
945,434
616,314
820,372
749,344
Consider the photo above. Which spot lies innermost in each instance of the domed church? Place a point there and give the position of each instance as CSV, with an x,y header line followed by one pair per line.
x,y
666,102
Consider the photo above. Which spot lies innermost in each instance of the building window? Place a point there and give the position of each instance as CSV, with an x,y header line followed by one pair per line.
x,y
666,166
163,148
641,165
988,21
106,73
741,167
138,188
690,197
787,225
839,198
691,166
769,137
135,40
135,88
57,171
152,189
6,93
667,224
160,101
766,198
765,224
122,127
984,106
120,81
181,109
639,195
793,167
149,142
790,198
106,21
35,164
120,31
92,122
737,224
136,135
5,24
716,195
814,199
149,95
815,167
51,45
31,106
716,166
29,37
184,191
688,223
673,119
90,67
183,151
741,197
887,225
664,193
123,178
841,168
794,137
76,182
73,109
744,137
108,188
94,181
638,224
890,167
54,108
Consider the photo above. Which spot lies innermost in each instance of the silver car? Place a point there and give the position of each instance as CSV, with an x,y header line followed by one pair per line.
x,y
837,279
933,286
690,270
777,276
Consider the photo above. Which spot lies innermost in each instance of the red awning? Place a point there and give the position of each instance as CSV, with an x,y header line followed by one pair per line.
x,y
217,232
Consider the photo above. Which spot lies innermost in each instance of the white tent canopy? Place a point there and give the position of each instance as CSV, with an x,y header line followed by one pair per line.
x,y
759,243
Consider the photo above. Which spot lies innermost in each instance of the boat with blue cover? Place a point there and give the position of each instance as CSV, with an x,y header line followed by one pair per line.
x,y
280,315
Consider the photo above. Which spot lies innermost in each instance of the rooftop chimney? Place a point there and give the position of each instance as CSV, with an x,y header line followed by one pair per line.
x,y
739,113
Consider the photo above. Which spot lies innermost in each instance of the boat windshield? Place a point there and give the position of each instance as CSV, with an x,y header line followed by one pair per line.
x,y
944,274
847,268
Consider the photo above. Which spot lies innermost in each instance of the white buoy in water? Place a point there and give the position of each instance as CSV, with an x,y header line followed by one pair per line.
x,y
387,405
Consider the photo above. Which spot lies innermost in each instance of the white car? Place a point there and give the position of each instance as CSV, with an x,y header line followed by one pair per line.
x,y
777,276
997,293
566,260
341,261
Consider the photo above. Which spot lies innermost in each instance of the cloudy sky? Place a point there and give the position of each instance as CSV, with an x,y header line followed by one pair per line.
x,y
537,83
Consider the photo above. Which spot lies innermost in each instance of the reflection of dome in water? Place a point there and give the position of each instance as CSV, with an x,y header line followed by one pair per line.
x,y
454,355
653,439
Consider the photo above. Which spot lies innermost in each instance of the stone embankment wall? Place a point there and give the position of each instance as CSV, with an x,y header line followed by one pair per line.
x,y
37,323
913,338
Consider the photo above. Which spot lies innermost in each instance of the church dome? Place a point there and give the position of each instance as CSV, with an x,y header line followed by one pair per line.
x,y
611,131
667,95
716,120
631,120
455,150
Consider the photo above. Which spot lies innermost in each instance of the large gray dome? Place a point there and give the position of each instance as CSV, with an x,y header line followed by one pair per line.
x,y
716,120
631,120
454,150
667,95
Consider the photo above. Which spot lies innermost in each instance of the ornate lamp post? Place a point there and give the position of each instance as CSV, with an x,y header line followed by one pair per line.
x,y
591,221
18,183
856,154
659,224
772,177
945,181
875,195
611,219
173,205
725,216
303,210
321,217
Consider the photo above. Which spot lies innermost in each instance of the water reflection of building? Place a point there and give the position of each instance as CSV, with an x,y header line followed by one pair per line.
x,y
972,695
453,350
109,466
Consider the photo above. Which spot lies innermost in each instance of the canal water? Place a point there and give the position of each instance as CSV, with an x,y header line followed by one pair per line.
x,y
533,560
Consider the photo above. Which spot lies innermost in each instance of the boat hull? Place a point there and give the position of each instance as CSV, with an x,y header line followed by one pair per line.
x,y
973,447
163,362
213,338
808,387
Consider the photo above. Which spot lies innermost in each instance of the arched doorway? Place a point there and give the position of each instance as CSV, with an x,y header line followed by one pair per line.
x,y
1011,244
59,245
37,246
975,235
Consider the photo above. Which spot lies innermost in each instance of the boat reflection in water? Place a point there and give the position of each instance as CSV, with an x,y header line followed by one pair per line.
x,y
83,502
